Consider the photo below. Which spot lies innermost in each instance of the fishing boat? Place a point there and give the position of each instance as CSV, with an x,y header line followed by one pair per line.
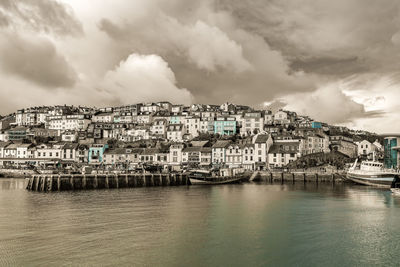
x,y
372,172
204,177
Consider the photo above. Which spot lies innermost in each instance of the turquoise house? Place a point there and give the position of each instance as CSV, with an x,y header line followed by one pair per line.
x,y
225,126
175,119
96,153
316,125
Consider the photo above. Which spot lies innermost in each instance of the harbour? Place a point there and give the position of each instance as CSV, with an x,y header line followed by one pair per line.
x,y
253,224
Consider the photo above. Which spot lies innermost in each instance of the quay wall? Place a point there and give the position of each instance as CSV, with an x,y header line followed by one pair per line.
x,y
285,177
48,183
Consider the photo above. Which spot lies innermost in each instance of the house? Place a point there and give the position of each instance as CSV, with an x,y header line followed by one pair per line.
x,y
103,117
69,136
17,133
233,155
48,151
10,151
144,118
70,152
315,143
252,123
262,144
344,145
283,152
366,149
225,126
219,152
77,122
3,145
24,151
205,157
175,132
122,157
175,155
96,152
159,127
248,156
192,125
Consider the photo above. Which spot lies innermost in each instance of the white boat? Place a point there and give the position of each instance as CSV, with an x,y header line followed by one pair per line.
x,y
372,173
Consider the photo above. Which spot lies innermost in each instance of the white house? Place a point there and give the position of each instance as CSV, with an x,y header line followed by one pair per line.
x,y
175,132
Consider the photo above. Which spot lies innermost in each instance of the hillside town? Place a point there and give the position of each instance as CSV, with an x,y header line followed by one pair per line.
x,y
166,137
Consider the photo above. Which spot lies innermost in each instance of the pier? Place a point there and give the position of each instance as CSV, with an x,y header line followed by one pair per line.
x,y
64,182
49,183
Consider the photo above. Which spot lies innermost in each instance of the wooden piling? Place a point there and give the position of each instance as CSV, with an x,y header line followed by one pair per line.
x,y
316,177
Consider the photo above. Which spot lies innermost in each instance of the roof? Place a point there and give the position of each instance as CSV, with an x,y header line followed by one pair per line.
x,y
191,149
199,143
262,138
221,144
149,151
71,146
4,144
280,148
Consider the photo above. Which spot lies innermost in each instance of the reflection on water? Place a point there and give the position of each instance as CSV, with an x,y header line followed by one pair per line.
x,y
253,224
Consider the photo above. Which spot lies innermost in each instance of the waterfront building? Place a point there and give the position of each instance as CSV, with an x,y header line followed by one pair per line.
x,y
24,150
175,155
219,152
248,156
262,143
70,152
283,152
3,145
48,151
233,155
96,152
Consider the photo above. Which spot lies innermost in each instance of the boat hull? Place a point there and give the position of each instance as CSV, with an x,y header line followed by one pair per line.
x,y
379,180
215,181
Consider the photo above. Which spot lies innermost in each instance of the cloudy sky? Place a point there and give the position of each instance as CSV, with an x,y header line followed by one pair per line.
x,y
337,61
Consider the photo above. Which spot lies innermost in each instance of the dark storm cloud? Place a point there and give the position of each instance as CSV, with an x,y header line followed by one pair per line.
x,y
36,60
41,15
330,65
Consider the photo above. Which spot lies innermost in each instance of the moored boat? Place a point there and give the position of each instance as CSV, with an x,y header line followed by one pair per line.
x,y
372,173
203,177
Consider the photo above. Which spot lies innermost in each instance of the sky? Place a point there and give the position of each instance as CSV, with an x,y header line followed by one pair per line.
x,y
336,61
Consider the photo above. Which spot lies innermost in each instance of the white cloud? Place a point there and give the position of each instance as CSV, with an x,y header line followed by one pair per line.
x,y
143,78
